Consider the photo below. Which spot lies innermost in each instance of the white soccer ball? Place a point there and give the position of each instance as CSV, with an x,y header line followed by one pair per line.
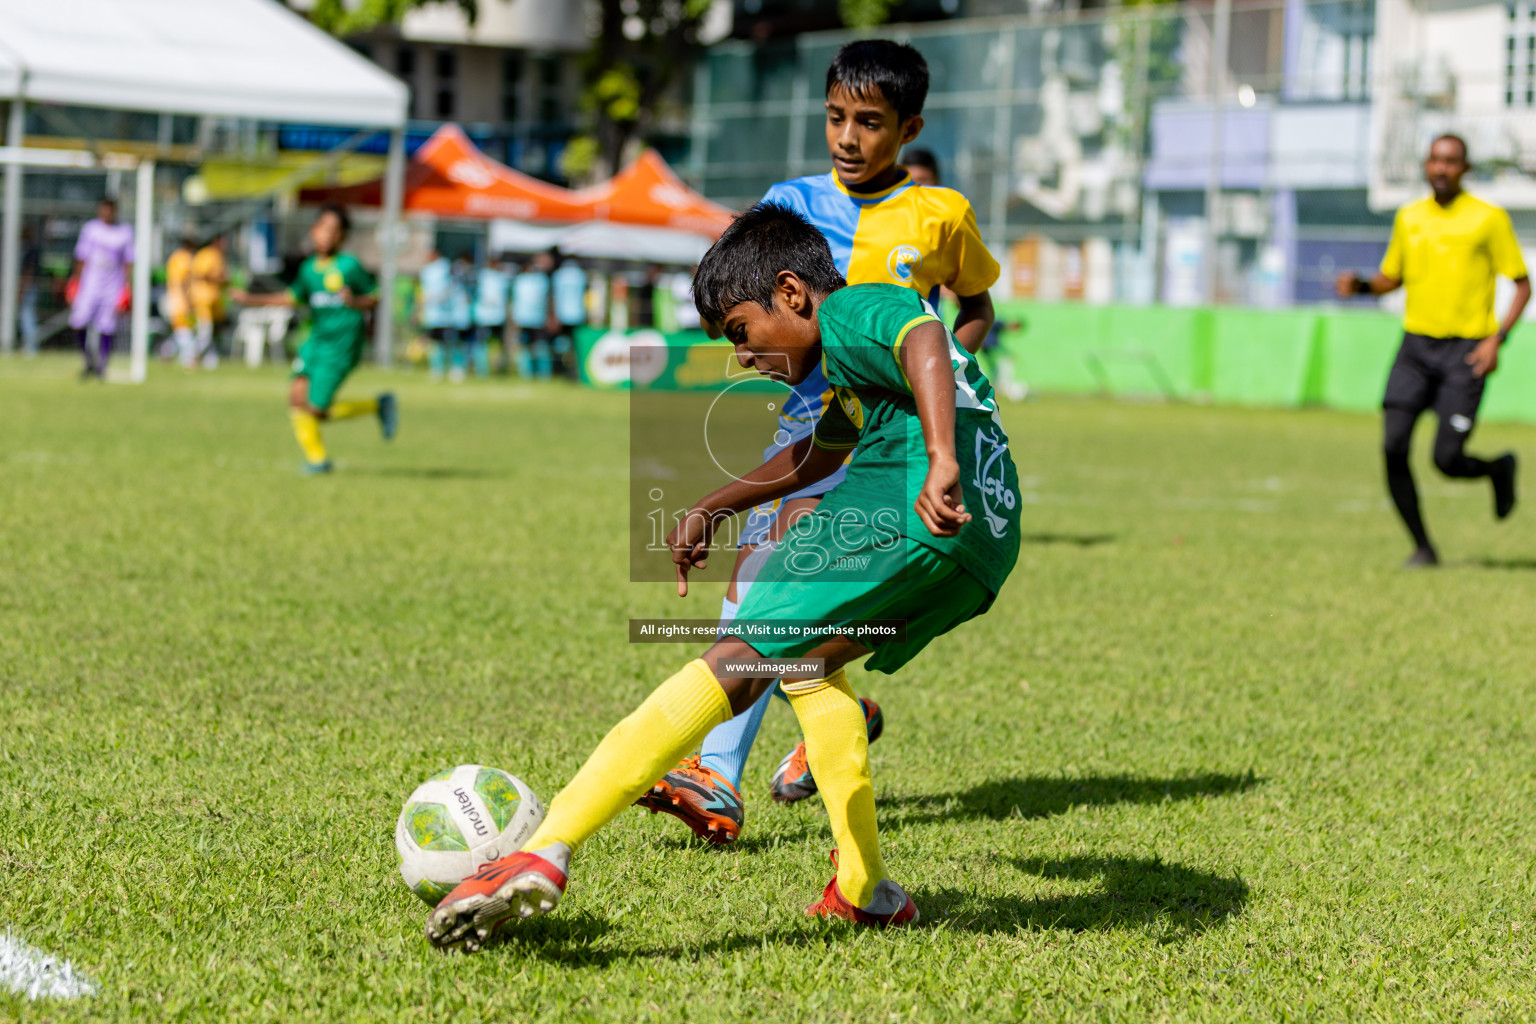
x,y
459,819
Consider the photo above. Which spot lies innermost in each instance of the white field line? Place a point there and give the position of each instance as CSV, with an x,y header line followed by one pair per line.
x,y
36,975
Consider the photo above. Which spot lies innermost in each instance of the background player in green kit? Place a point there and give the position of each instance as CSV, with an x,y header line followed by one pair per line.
x,y
338,291
924,529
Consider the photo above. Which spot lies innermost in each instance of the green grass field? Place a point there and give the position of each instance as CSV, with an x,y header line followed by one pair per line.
x,y
1212,756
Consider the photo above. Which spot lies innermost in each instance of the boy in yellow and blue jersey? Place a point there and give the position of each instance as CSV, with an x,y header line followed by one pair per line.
x,y
882,228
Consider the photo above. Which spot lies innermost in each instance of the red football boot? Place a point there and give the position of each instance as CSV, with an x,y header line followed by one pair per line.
x,y
517,886
887,894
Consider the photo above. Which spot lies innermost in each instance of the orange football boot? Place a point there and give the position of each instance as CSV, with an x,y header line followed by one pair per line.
x,y
793,781
700,798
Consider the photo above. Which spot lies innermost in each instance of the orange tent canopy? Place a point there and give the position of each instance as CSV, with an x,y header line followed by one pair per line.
x,y
648,192
450,177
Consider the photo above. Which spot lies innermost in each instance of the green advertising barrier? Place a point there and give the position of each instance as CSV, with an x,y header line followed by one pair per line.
x,y
1511,391
1356,351
1049,345
1282,358
1263,357
672,361
1117,350
1156,350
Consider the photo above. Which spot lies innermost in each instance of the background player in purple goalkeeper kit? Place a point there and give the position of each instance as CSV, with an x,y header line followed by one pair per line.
x,y
103,261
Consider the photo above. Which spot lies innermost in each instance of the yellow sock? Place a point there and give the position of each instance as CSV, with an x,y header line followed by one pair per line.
x,y
359,407
307,429
637,752
837,749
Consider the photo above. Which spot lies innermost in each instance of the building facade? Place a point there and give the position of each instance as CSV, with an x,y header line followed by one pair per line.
x,y
1088,141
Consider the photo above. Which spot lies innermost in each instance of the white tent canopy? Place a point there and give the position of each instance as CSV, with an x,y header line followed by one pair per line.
x,y
224,58
601,239
251,59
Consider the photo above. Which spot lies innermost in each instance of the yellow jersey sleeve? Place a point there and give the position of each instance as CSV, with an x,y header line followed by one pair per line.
x,y
177,269
969,268
1504,248
1392,262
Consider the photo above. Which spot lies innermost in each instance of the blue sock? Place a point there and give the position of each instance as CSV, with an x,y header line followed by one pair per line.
x,y
726,747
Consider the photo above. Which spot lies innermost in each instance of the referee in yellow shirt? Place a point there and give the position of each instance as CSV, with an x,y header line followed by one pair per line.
x,y
1446,249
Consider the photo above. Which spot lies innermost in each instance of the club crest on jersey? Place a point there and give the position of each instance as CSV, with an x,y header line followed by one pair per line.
x,y
334,280
851,406
904,262
991,480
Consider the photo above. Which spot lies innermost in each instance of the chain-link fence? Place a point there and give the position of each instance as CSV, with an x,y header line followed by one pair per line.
x,y
1088,146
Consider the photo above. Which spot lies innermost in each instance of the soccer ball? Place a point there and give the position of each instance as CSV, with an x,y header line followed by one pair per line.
x,y
459,819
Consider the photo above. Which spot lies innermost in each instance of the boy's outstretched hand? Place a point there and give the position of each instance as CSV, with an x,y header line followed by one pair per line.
x,y
940,504
689,544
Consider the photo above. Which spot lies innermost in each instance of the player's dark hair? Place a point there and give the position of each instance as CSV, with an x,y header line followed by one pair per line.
x,y
922,158
1466,155
107,201
340,213
742,265
880,68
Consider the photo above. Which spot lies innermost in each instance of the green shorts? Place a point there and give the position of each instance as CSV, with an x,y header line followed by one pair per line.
x,y
326,367
873,576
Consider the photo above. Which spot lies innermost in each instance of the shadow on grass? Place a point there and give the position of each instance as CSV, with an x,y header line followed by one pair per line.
x,y
1170,900
753,841
1041,796
1517,564
560,938
426,472
1082,540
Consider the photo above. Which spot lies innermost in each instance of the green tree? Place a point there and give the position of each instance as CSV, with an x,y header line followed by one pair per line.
x,y
640,48
864,13
340,18
1148,36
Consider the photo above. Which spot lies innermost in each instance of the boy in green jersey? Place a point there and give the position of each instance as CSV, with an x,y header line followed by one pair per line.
x,y
924,529
338,291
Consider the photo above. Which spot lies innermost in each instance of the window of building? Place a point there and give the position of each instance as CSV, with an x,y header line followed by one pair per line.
x,y
446,63
511,86
1336,49
551,103
1520,54
405,70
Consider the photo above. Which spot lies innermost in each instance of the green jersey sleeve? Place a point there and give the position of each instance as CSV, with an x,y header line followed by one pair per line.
x,y
862,331
302,284
839,425
359,280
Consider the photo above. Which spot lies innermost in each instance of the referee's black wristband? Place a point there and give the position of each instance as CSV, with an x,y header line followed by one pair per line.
x,y
1362,286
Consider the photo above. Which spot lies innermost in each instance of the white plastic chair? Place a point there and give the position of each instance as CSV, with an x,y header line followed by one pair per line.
x,y
258,328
